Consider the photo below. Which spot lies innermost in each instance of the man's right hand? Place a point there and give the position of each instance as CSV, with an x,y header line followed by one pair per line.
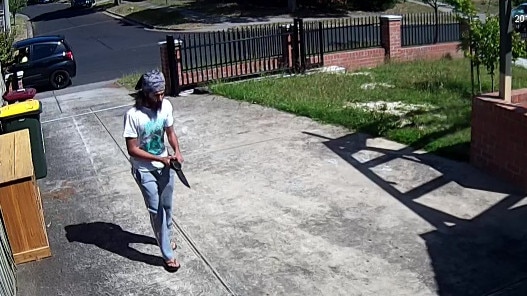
x,y
165,160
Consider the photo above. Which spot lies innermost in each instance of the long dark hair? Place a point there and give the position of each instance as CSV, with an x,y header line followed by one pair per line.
x,y
139,96
140,99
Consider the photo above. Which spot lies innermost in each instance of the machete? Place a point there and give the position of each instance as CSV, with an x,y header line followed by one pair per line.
x,y
176,166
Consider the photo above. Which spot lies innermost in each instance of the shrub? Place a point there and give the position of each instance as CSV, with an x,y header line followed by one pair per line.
x,y
6,48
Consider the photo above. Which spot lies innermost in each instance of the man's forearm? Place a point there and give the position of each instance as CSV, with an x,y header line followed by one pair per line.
x,y
140,153
174,143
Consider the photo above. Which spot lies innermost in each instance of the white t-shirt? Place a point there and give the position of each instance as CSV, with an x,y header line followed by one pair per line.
x,y
148,127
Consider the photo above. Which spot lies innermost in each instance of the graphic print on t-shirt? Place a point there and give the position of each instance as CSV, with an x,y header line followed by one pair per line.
x,y
153,137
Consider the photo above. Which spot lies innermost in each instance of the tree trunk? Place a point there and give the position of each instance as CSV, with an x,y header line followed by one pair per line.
x,y
492,81
291,5
472,75
479,79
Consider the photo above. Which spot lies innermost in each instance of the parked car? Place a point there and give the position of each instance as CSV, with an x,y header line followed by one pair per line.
x,y
82,3
519,17
45,60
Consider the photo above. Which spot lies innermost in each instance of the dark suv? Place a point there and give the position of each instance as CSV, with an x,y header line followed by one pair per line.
x,y
45,60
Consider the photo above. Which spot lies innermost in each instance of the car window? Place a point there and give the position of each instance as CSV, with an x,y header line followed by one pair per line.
x,y
40,51
21,55
60,48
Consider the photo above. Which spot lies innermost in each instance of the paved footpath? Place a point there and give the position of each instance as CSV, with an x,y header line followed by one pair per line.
x,y
279,205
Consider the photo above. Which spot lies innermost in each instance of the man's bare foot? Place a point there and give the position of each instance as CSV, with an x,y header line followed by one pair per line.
x,y
172,265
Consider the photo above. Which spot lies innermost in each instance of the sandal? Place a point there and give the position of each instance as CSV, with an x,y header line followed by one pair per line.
x,y
172,265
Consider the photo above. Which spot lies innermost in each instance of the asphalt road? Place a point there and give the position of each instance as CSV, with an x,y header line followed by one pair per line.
x,y
104,48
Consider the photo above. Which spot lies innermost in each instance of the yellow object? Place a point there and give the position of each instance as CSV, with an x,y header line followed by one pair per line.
x,y
28,106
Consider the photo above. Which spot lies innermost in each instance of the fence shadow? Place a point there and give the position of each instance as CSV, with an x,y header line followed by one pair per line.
x,y
484,255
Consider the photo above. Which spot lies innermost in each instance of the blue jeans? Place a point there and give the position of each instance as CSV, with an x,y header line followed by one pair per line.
x,y
157,188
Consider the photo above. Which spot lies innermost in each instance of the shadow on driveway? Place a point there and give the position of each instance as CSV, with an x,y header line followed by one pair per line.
x,y
485,255
112,238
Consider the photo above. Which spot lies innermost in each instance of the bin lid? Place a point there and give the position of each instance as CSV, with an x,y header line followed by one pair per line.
x,y
31,106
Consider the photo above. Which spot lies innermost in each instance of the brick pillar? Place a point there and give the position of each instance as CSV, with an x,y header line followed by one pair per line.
x,y
391,36
165,63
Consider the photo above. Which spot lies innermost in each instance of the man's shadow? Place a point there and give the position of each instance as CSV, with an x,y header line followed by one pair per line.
x,y
112,238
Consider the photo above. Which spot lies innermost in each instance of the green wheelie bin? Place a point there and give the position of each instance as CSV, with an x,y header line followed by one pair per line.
x,y
26,115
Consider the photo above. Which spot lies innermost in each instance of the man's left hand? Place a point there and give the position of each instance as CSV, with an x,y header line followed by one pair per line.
x,y
178,157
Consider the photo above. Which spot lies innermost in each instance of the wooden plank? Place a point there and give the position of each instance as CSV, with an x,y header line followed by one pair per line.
x,y
7,166
15,156
22,155
32,255
23,217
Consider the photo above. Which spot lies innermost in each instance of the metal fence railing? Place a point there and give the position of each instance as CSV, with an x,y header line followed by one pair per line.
x,y
351,33
7,264
236,53
421,29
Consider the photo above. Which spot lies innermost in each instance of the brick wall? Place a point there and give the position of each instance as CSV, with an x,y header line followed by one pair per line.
x,y
499,138
357,59
428,52
391,50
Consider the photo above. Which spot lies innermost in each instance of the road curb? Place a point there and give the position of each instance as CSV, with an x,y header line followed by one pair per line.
x,y
150,27
79,88
128,20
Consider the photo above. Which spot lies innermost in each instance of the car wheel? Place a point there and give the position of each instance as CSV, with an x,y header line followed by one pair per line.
x,y
60,79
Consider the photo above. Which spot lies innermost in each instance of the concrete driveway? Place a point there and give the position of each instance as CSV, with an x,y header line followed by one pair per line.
x,y
279,205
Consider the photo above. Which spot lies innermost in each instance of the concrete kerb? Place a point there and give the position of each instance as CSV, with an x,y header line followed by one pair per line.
x,y
153,28
127,20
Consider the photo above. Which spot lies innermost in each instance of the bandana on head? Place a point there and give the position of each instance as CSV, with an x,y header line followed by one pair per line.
x,y
153,82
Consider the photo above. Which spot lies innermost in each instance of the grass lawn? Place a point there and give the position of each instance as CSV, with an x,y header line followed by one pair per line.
x,y
129,81
196,14
433,97
233,8
204,10
166,17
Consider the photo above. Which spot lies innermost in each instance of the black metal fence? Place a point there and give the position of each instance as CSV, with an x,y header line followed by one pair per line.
x,y
351,33
277,48
232,53
306,45
421,29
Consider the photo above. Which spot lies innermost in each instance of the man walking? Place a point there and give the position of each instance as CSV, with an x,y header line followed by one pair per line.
x,y
145,126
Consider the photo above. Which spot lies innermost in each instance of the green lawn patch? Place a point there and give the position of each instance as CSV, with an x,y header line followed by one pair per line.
x,y
129,81
207,9
166,17
424,104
